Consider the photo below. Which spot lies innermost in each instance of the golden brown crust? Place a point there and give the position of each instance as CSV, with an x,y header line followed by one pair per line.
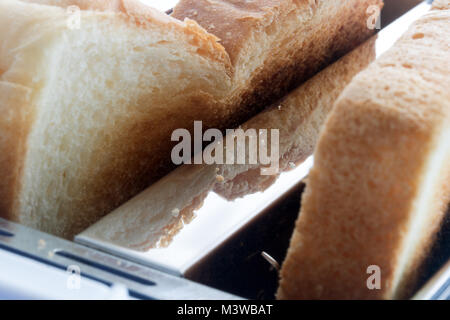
x,y
327,31
233,21
374,165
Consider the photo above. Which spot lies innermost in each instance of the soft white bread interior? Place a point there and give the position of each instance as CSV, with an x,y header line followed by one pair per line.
x,y
90,110
380,184
85,111
153,217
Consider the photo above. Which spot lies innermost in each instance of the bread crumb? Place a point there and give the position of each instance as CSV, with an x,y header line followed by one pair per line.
x,y
50,254
220,178
193,12
175,212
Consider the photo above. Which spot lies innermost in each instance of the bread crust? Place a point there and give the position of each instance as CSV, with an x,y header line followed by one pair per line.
x,y
247,17
291,58
384,150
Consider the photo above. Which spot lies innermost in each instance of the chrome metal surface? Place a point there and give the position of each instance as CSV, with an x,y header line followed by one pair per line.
x,y
438,287
141,281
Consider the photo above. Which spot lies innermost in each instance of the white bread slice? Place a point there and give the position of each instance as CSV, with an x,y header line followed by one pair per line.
x,y
380,184
86,110
105,99
154,216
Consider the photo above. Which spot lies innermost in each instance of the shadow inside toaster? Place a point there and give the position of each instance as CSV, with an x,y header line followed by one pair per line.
x,y
238,267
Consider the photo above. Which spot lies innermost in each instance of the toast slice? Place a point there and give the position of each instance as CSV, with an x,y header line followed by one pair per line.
x,y
380,185
86,110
